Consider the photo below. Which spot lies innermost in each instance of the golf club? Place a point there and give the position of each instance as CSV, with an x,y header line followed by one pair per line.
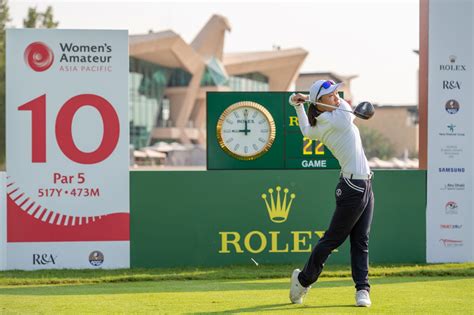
x,y
364,110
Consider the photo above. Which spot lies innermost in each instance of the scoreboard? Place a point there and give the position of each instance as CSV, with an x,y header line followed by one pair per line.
x,y
259,130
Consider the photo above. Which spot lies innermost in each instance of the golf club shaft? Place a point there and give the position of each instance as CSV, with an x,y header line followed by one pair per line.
x,y
332,106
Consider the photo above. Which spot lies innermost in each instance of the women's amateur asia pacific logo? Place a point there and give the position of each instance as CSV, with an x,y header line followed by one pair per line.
x,y
39,56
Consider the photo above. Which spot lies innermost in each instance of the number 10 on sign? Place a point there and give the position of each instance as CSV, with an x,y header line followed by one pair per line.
x,y
63,128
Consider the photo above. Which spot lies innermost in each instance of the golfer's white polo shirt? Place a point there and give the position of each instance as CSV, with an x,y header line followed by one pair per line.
x,y
337,131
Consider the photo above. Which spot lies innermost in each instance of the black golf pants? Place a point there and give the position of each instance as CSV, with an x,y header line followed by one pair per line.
x,y
352,217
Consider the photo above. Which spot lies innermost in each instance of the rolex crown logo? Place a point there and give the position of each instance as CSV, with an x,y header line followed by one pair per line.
x,y
278,210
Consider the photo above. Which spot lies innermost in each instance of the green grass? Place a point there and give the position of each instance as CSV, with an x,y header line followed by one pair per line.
x,y
65,276
409,289
393,295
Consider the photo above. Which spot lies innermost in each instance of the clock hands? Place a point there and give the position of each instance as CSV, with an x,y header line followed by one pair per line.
x,y
247,119
245,130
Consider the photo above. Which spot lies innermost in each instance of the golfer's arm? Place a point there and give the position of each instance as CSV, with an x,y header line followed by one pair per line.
x,y
303,122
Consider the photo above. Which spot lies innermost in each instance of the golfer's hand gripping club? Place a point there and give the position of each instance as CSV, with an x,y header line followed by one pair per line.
x,y
364,110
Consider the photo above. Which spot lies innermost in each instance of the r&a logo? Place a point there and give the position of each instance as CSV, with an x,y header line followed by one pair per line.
x,y
44,259
450,85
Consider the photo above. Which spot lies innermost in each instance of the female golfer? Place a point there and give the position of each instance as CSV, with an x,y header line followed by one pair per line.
x,y
354,197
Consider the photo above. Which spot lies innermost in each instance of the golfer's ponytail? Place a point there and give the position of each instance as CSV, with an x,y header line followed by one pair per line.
x,y
312,114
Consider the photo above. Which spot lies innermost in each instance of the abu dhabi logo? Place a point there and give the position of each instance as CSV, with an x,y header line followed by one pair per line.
x,y
38,56
454,187
451,243
278,210
452,106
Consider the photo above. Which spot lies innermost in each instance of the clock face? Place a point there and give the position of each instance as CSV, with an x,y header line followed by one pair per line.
x,y
246,130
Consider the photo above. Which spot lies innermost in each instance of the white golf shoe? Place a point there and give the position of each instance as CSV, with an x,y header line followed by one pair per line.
x,y
297,291
363,298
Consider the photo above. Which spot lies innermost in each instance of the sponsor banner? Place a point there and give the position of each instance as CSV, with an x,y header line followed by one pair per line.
x,y
54,255
450,141
67,138
267,217
3,223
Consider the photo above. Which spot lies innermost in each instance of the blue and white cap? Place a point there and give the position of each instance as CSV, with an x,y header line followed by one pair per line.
x,y
322,87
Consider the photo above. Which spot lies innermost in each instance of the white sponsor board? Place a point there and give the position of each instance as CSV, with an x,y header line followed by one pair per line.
x,y
67,145
450,140
59,255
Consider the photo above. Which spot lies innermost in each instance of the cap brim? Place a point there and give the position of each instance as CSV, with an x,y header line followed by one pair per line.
x,y
331,89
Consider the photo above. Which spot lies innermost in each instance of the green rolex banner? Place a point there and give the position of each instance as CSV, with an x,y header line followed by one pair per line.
x,y
212,218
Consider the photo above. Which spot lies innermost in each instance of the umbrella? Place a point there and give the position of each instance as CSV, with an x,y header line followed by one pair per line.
x,y
162,147
139,154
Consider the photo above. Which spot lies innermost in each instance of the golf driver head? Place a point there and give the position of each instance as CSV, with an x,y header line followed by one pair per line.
x,y
364,110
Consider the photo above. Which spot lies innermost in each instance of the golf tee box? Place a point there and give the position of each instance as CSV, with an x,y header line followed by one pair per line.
x,y
259,130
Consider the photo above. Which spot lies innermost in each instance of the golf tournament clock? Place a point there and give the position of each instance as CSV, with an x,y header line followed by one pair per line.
x,y
246,130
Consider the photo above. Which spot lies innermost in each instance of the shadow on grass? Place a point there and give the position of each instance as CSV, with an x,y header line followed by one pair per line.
x,y
191,286
278,307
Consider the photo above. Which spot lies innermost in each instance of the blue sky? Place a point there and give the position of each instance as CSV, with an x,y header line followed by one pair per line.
x,y
373,39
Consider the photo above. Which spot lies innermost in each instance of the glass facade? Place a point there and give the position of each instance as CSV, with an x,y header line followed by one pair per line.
x,y
254,81
147,83
215,74
179,77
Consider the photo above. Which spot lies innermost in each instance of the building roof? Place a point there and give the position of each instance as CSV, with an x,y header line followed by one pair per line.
x,y
263,61
168,49
336,77
210,40
134,39
165,48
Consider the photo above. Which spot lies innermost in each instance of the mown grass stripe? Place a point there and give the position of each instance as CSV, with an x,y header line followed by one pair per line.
x,y
45,277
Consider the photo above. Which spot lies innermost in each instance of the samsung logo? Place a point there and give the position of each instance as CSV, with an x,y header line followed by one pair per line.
x,y
452,170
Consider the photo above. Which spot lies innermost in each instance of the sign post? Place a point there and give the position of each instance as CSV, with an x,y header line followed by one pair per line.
x,y
67,149
449,213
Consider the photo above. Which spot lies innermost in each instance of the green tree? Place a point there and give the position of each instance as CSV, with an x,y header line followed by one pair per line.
x,y
4,19
48,20
375,144
31,19
36,19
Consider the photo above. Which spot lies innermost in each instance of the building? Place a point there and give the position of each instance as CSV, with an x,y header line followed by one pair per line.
x,y
169,79
399,125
